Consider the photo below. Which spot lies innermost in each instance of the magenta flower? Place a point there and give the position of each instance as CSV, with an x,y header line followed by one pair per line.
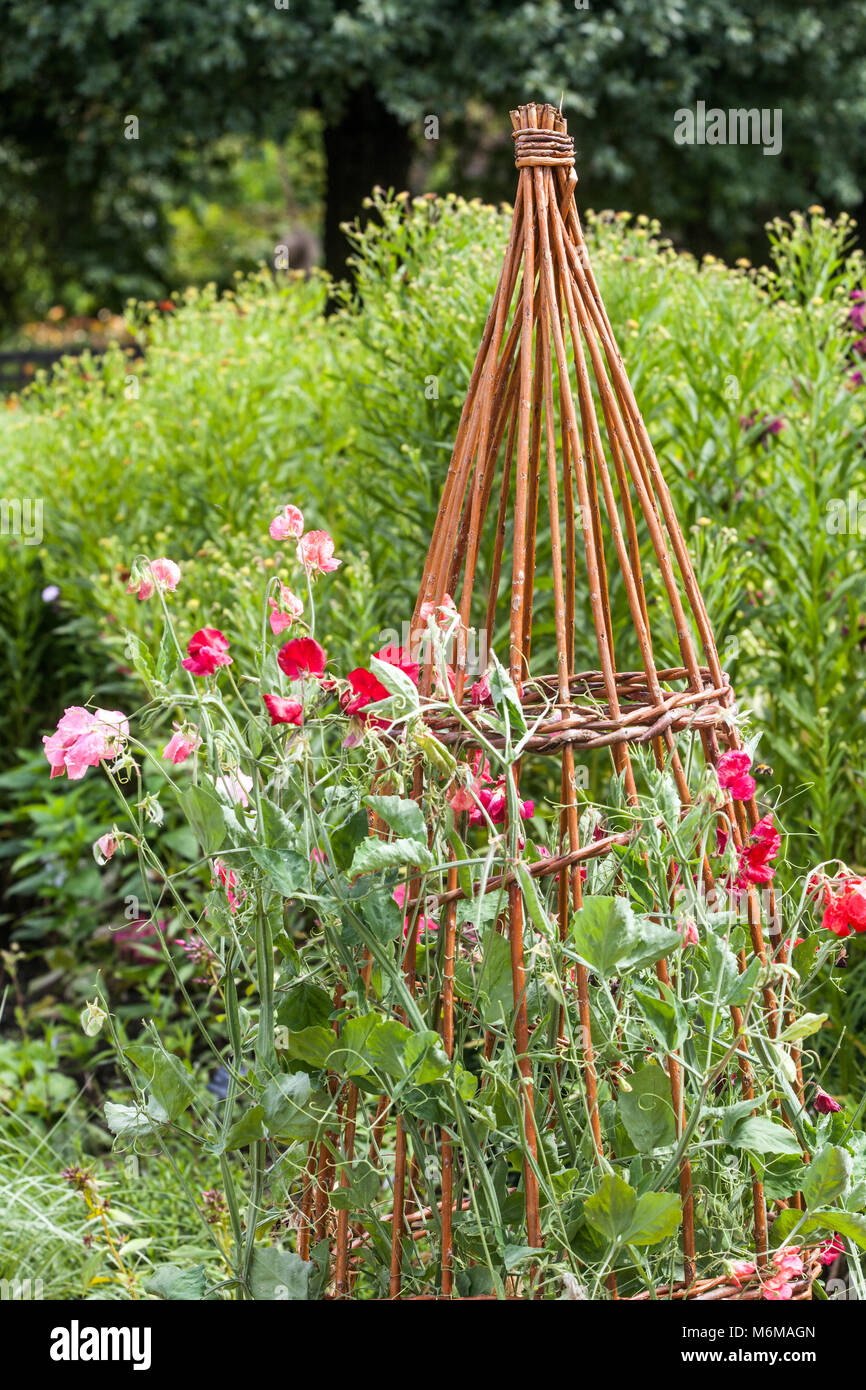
x,y
824,1103
208,649
733,769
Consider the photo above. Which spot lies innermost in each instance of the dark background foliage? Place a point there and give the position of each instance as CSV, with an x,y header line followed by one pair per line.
x,y
85,209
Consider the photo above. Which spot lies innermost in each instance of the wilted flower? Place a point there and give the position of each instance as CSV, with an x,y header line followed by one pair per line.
x,y
825,1104
104,848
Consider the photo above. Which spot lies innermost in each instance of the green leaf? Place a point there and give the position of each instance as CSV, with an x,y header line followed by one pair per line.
x,y
664,1016
803,1027
130,1121
278,829
287,870
279,1275
739,992
204,812
402,815
171,1282
848,1223
646,1110
373,854
612,1208
828,1176
657,1217
247,1129
291,1110
762,1136
425,1057
304,1006
312,1045
346,838
167,1078
612,940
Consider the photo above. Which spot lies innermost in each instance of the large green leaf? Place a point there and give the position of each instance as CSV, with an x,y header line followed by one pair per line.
x,y
612,939
373,855
204,811
402,815
304,1005
762,1136
171,1282
664,1016
828,1176
619,1214
280,1275
287,871
646,1110
166,1077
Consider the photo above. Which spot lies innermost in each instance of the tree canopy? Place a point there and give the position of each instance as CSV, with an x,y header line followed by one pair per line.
x,y
85,189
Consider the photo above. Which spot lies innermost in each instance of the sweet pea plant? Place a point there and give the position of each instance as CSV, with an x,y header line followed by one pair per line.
x,y
334,826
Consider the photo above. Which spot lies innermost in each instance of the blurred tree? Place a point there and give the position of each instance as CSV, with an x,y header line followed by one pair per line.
x,y
114,111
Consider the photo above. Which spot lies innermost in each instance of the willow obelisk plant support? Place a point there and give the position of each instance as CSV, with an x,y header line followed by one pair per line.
x,y
550,410
473,1050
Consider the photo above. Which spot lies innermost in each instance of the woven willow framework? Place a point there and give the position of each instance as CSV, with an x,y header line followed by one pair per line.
x,y
551,438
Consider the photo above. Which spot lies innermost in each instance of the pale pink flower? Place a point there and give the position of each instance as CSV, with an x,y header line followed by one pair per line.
x,y
159,574
288,525
179,746
688,930
235,786
423,923
316,552
789,1262
440,612
83,739
104,848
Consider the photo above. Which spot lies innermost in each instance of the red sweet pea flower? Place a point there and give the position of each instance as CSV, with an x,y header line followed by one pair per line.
x,y
367,689
302,657
762,845
283,711
733,770
844,902
207,649
399,657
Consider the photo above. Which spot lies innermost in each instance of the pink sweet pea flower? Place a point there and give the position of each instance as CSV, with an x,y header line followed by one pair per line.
x,y
159,574
289,525
688,930
479,693
740,1270
84,738
777,1289
236,787
285,610
180,746
301,657
789,1262
283,711
228,879
733,769
762,846
424,923
316,552
104,848
208,649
